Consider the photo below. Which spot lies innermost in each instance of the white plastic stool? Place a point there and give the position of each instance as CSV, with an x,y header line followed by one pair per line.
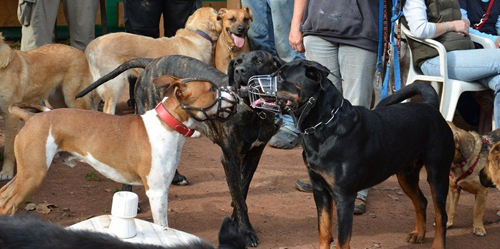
x,y
123,211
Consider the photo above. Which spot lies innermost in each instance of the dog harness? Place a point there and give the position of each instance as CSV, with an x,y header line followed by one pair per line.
x,y
175,124
471,169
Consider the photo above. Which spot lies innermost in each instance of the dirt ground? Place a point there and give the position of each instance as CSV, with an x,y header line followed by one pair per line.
x,y
282,216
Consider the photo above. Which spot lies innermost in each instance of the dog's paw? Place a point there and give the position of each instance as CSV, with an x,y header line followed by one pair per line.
x,y
414,238
479,231
6,176
250,236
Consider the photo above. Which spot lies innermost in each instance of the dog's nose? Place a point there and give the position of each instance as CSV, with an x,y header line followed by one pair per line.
x,y
240,70
241,28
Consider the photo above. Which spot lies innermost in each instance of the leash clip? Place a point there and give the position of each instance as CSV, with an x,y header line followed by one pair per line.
x,y
310,130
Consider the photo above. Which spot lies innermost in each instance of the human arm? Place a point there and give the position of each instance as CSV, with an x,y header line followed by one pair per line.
x,y
295,37
415,12
494,38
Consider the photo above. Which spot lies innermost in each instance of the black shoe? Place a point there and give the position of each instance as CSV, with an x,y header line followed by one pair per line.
x,y
304,185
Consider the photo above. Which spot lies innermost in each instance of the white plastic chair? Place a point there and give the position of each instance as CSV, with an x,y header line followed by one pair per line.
x,y
452,89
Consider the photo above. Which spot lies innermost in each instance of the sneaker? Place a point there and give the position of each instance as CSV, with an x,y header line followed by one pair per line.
x,y
284,139
304,185
359,206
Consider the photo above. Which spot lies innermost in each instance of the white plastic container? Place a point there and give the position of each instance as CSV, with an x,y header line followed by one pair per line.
x,y
123,211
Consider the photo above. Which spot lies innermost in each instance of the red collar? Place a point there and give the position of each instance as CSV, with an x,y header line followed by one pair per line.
x,y
175,124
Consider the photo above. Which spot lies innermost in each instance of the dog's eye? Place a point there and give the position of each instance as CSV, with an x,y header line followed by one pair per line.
x,y
232,19
246,19
258,62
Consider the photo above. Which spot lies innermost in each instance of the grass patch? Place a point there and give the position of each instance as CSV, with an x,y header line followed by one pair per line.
x,y
92,176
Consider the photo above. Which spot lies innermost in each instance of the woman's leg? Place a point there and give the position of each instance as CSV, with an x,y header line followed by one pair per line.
x,y
466,65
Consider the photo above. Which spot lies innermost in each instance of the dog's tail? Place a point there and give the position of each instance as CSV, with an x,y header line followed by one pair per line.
x,y
229,236
429,95
136,63
19,110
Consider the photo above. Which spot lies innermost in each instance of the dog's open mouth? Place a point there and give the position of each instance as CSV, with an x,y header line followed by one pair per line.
x,y
238,39
263,94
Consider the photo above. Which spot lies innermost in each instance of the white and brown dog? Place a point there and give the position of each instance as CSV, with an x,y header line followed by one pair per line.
x,y
132,149
109,51
53,71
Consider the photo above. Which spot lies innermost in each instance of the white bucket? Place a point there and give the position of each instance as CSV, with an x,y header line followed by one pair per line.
x,y
123,211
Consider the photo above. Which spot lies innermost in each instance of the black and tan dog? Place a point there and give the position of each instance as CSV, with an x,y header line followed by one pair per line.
x,y
232,40
469,170
349,148
242,138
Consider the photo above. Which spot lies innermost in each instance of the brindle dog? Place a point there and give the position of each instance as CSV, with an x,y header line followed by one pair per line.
x,y
242,138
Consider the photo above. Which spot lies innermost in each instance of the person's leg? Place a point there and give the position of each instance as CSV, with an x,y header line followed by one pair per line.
x,y
481,65
175,15
39,26
281,14
325,53
287,136
493,82
261,33
143,17
80,16
357,67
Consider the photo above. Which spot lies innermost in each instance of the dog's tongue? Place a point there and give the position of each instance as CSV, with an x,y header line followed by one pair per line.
x,y
238,41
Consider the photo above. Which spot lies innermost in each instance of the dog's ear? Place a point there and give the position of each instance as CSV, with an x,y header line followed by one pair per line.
x,y
222,12
277,62
230,73
6,53
166,82
249,11
319,73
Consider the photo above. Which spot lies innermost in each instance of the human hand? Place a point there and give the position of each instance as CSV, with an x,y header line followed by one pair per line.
x,y
497,42
459,26
295,39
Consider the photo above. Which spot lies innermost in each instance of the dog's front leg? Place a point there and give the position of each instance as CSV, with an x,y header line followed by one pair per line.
x,y
479,206
232,164
345,214
324,207
158,201
11,130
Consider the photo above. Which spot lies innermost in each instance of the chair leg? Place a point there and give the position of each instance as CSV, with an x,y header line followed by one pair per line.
x,y
449,101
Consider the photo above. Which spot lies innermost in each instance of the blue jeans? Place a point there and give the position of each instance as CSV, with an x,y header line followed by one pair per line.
x,y
270,27
481,65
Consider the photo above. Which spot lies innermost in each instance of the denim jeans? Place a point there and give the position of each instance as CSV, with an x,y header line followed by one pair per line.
x,y
481,65
269,31
270,27
355,65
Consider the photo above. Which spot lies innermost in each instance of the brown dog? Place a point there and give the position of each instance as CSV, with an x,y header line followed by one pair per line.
x,y
110,51
233,40
57,70
472,158
491,176
132,149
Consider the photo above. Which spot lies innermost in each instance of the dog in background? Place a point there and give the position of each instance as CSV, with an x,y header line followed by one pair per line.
x,y
491,175
470,164
233,40
110,51
55,72
132,149
24,232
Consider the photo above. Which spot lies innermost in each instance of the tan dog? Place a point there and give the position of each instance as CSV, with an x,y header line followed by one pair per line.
x,y
57,70
233,40
133,149
110,51
471,158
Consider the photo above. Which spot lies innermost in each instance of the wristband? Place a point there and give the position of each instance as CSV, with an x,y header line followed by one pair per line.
x,y
446,27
